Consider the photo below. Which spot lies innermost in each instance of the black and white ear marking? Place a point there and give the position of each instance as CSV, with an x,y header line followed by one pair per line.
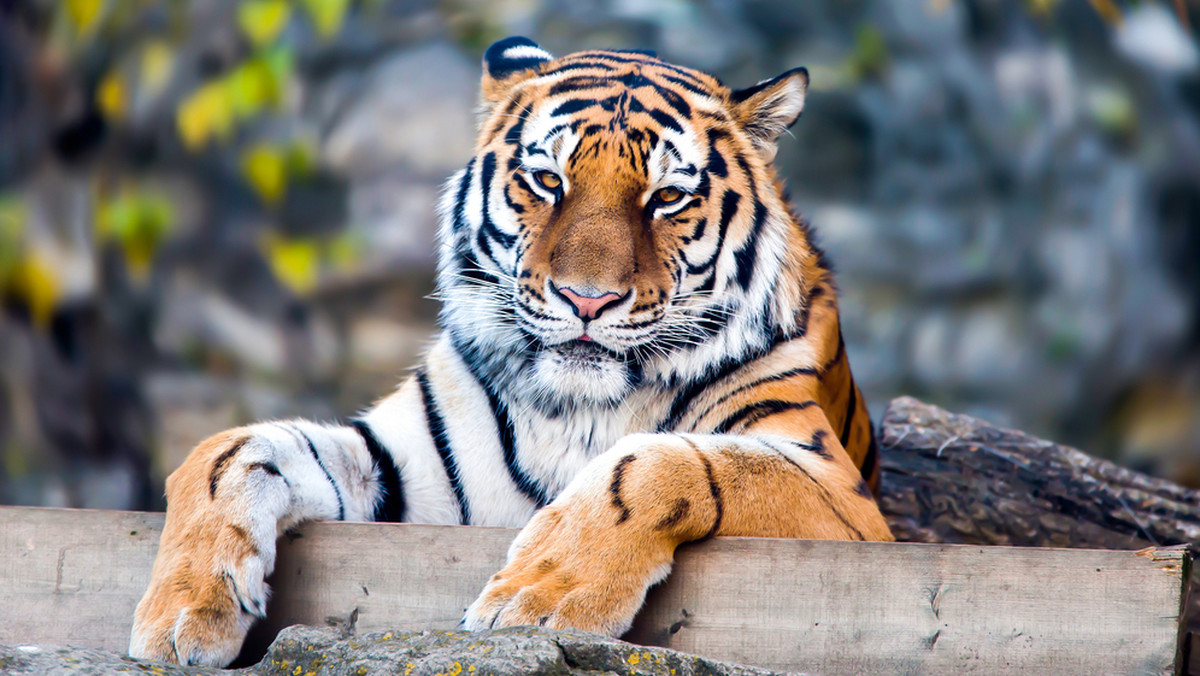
x,y
768,108
512,55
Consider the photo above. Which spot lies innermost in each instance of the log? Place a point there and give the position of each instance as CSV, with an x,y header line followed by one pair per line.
x,y
951,478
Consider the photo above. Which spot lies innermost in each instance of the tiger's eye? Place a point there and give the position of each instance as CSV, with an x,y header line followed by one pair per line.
x,y
668,195
548,180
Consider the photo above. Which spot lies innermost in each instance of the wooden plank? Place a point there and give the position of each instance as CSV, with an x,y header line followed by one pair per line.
x,y
74,577
861,608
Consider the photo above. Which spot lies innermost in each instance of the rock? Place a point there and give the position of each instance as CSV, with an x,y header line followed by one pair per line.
x,y
36,659
1151,36
390,121
322,652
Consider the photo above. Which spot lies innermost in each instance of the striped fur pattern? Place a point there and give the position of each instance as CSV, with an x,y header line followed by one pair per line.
x,y
641,348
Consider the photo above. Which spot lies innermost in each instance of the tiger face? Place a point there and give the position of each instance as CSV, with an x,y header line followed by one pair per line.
x,y
618,223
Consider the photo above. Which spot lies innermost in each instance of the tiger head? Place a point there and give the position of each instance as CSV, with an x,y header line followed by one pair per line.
x,y
619,224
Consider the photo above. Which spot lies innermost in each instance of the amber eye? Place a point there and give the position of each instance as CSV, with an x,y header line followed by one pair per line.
x,y
668,195
548,180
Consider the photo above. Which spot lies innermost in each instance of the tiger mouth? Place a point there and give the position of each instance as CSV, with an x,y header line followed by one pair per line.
x,y
586,351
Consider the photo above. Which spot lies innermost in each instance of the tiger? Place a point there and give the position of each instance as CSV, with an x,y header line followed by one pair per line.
x,y
639,347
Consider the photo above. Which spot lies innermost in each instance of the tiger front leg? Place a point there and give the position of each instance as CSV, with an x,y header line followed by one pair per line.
x,y
226,505
587,559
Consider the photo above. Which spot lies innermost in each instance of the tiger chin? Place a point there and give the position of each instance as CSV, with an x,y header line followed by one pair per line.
x,y
640,348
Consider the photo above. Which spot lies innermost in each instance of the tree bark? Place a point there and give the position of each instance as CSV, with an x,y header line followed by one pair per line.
x,y
956,479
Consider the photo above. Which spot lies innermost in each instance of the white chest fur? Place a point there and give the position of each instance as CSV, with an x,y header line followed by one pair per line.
x,y
553,450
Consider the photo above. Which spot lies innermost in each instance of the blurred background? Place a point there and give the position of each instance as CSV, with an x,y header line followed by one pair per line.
x,y
216,212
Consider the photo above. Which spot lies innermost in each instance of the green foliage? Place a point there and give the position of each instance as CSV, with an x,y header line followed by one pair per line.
x,y
263,20
212,111
137,222
870,57
327,15
25,273
300,262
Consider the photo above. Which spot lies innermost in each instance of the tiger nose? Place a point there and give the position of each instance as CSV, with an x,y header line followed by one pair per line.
x,y
587,307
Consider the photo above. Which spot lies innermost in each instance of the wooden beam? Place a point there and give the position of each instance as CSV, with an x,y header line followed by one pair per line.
x,y
74,577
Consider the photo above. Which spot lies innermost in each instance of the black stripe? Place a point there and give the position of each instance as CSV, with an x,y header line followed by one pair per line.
x,y
390,506
675,101
505,430
437,430
460,199
579,82
583,65
665,119
784,375
851,409
218,468
729,206
513,135
486,173
687,85
686,395
684,398
713,488
824,492
872,457
748,415
614,488
312,448
815,445
572,106
268,467
716,161
863,489
602,56
837,356
806,311
747,256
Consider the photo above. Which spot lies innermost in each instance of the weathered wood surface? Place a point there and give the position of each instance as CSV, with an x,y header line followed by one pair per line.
x,y
956,479
825,607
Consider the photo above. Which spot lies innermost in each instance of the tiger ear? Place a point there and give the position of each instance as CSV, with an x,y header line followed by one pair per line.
x,y
768,108
508,62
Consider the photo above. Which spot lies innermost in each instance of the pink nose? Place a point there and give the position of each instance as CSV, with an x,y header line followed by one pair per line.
x,y
588,307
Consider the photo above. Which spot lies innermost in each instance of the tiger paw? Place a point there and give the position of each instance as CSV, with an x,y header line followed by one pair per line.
x,y
208,585
587,560
559,576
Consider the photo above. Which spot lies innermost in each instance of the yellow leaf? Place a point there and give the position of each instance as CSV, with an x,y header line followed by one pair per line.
x,y
84,13
295,263
112,97
40,287
263,20
264,167
205,114
249,88
327,15
157,63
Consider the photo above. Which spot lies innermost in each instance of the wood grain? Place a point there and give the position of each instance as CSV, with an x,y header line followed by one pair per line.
x,y
73,576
